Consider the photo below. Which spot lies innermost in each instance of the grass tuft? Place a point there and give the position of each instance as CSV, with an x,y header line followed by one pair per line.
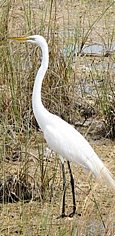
x,y
79,87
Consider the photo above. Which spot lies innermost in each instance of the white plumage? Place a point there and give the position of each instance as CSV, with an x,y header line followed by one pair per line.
x,y
72,146
61,136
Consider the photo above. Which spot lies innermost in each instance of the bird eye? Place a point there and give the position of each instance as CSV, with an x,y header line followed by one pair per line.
x,y
32,39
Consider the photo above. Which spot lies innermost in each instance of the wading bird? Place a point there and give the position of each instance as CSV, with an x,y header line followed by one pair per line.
x,y
61,137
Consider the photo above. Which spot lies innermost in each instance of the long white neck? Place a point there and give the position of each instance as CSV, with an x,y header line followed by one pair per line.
x,y
38,108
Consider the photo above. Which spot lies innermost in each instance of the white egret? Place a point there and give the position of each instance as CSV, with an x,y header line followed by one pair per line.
x,y
61,137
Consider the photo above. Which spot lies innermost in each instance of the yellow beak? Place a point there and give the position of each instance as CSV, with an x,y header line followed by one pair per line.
x,y
19,38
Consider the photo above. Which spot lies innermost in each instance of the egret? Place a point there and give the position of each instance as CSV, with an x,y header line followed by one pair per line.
x,y
60,136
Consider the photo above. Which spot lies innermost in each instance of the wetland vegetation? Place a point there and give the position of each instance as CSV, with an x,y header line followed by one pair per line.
x,y
79,87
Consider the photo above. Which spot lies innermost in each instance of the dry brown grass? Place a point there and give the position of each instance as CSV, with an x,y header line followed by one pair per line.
x,y
23,156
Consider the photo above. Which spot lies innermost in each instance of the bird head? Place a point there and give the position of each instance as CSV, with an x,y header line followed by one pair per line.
x,y
35,39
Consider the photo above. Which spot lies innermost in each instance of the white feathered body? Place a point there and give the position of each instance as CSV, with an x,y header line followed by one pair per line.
x,y
61,136
66,141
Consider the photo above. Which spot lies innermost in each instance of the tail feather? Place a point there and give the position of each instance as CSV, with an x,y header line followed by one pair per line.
x,y
106,176
101,172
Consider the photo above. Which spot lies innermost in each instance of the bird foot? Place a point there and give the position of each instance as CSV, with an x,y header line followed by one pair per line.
x,y
71,214
63,215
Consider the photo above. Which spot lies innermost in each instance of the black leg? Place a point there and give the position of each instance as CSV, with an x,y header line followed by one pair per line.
x,y
64,191
73,190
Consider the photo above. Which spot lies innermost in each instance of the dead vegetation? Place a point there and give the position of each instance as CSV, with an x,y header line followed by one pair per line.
x,y
80,90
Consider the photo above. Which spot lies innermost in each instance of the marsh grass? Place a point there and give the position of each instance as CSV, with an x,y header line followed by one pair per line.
x,y
105,100
27,166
